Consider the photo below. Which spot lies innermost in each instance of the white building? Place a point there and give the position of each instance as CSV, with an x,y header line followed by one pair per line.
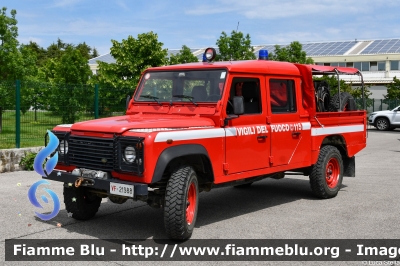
x,y
378,60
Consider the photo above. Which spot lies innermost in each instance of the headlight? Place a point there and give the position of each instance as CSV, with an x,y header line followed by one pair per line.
x,y
63,147
129,154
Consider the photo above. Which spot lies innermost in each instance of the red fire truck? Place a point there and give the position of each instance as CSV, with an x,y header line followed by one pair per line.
x,y
195,127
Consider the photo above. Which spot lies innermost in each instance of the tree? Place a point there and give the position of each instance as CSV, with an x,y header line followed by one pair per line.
x,y
94,53
234,47
292,53
393,90
39,52
15,63
183,56
393,93
11,61
84,49
55,50
68,75
132,57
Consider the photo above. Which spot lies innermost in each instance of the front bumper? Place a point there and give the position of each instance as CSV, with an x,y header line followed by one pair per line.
x,y
100,184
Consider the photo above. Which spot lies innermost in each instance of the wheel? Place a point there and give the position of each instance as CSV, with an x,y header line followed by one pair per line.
x,y
80,203
382,123
348,103
327,174
323,96
243,185
181,202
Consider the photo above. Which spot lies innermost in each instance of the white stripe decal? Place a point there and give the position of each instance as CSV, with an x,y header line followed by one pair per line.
x,y
65,125
231,132
336,130
190,134
306,125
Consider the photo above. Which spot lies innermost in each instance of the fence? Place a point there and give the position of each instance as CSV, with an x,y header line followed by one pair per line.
x,y
43,106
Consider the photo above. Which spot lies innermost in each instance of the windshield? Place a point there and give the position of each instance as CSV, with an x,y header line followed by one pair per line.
x,y
182,86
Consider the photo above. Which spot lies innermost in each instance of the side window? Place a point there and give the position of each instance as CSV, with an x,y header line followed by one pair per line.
x,y
249,89
282,95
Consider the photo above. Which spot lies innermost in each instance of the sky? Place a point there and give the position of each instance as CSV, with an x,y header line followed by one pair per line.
x,y
199,24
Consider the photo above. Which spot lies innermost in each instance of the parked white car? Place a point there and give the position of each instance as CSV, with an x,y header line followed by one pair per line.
x,y
385,120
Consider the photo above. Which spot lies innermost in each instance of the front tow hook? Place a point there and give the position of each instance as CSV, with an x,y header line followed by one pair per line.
x,y
81,181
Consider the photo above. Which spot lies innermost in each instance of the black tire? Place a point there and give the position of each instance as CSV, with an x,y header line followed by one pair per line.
x,y
80,203
348,103
327,174
382,124
247,185
323,96
179,216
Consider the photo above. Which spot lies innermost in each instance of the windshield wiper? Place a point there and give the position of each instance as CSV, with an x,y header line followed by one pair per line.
x,y
151,97
190,98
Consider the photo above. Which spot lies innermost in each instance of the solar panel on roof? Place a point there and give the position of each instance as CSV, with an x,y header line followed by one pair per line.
x,y
382,47
332,48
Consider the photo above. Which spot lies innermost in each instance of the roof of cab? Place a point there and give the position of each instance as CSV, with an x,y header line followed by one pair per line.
x,y
245,66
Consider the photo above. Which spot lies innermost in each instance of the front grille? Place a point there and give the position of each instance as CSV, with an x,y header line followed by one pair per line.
x,y
91,153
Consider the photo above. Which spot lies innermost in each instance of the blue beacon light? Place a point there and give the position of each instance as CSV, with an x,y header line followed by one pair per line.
x,y
263,55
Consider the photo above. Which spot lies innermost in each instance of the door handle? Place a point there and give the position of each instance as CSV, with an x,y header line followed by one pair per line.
x,y
261,137
296,134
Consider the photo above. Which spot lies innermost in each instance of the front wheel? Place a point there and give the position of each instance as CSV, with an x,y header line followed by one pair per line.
x,y
82,204
181,203
327,174
382,124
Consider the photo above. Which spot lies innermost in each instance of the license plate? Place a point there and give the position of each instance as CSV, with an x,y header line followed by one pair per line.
x,y
121,189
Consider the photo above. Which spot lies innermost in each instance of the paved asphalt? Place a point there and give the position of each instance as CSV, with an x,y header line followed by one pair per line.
x,y
367,206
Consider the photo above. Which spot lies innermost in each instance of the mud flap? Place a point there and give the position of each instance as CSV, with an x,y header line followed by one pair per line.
x,y
349,167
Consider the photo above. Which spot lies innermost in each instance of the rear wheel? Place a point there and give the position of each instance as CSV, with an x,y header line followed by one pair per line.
x,y
82,204
327,174
181,203
382,124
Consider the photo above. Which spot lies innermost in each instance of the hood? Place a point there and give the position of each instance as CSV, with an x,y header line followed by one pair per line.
x,y
382,112
120,124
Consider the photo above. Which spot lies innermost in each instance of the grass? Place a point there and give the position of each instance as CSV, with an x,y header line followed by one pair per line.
x,y
32,132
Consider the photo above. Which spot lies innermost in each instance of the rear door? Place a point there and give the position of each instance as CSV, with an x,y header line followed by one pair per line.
x,y
290,136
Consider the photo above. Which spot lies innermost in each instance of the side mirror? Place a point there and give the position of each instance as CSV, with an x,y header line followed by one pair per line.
x,y
238,105
128,98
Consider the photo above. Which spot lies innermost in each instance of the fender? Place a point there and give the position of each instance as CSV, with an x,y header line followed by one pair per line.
x,y
174,152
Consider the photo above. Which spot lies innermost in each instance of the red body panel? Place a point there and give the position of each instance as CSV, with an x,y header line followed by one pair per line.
x,y
250,145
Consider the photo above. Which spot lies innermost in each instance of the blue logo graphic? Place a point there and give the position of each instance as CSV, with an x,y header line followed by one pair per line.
x,y
42,155
50,164
34,201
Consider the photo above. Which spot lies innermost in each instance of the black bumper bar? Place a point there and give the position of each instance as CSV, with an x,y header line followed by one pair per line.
x,y
103,184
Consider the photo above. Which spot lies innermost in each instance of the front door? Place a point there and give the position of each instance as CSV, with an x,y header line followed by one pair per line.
x,y
247,137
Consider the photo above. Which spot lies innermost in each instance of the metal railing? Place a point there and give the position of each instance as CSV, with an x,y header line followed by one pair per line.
x,y
42,106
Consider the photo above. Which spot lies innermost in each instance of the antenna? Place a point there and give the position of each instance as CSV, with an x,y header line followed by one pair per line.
x,y
237,27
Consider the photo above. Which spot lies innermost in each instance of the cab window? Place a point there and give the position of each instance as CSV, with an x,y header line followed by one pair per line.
x,y
282,96
249,89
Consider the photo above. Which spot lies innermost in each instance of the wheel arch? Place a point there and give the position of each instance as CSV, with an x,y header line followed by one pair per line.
x,y
191,154
339,142
381,116
336,140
